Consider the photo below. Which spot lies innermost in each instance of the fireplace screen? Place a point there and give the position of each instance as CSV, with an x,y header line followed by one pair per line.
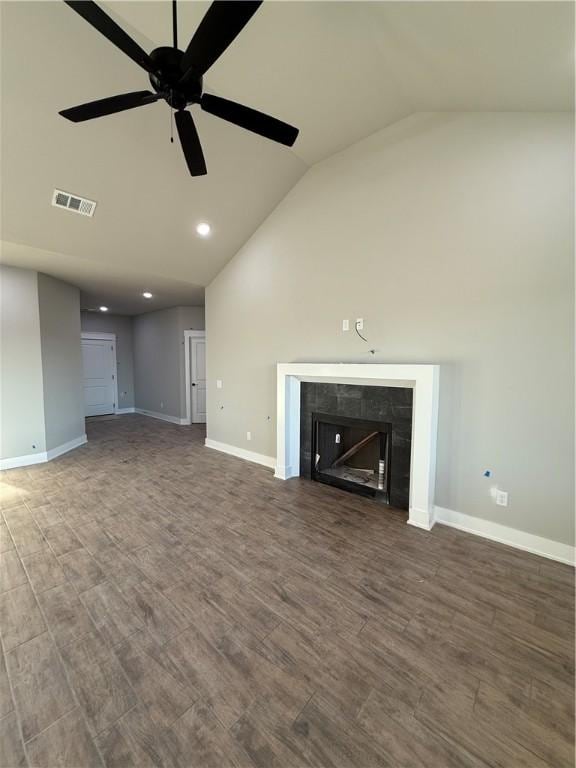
x,y
353,454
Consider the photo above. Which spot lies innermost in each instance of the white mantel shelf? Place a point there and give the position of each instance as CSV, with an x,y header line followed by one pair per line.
x,y
423,379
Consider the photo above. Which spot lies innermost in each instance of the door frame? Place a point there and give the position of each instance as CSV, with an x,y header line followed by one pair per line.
x,y
188,336
111,337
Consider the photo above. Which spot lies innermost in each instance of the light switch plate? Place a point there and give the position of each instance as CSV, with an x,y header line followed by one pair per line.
x,y
345,325
218,383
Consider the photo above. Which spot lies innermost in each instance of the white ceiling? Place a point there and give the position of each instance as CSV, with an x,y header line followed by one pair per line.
x,y
337,70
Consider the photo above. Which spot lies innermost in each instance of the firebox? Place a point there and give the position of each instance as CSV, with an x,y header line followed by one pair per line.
x,y
353,454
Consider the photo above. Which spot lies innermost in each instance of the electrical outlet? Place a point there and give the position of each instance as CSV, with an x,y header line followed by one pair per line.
x,y
345,325
218,383
248,435
360,324
502,498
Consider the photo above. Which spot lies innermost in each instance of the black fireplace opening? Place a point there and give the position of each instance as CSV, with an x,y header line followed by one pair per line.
x,y
353,454
386,410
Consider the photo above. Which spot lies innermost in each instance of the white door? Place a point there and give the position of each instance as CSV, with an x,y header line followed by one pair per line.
x,y
98,360
198,380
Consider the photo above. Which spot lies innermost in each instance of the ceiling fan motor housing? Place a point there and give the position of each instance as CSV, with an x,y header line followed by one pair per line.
x,y
167,78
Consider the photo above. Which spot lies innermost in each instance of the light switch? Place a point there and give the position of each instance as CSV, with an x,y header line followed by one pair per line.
x,y
218,383
345,325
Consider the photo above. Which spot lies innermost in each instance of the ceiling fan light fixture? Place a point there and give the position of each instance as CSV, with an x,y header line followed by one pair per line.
x,y
203,229
176,77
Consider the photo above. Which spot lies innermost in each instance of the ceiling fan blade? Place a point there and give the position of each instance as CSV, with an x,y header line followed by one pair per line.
x,y
251,119
109,106
95,16
190,143
223,21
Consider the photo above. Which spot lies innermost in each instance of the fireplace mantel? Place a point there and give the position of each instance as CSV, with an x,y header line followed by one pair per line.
x,y
423,379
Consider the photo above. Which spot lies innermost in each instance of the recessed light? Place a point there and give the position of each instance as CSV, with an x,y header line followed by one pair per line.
x,y
203,229
147,295
103,309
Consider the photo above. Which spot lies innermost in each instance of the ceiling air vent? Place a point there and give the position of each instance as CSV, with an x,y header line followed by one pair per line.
x,y
73,203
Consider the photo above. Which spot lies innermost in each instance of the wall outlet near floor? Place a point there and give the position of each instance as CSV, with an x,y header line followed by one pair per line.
x,y
345,325
248,435
502,498
360,324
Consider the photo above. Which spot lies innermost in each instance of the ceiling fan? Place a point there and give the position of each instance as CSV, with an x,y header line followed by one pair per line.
x,y
176,76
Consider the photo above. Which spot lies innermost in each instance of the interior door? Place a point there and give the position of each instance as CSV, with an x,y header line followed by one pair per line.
x,y
98,360
198,380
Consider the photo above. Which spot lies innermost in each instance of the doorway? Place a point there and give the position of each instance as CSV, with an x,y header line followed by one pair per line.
x,y
99,382
195,363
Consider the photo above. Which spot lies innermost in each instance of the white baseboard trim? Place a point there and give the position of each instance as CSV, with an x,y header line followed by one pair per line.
x,y
65,447
43,456
161,416
241,453
23,461
120,411
553,550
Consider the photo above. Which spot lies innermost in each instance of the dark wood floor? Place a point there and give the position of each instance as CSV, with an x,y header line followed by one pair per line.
x,y
166,605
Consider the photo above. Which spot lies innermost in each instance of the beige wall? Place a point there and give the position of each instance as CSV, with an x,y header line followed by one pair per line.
x,y
121,325
451,235
159,358
22,429
61,361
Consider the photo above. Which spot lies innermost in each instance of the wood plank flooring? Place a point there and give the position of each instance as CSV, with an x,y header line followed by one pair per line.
x,y
165,605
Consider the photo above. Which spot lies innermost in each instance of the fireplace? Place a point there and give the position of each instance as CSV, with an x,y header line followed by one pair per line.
x,y
353,454
422,379
350,413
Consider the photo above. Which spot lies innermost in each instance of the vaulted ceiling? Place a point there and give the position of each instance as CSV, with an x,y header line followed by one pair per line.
x,y
337,70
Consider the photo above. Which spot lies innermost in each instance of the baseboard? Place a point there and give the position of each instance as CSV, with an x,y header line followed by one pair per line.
x,y
537,545
43,456
120,411
161,416
241,453
24,461
65,447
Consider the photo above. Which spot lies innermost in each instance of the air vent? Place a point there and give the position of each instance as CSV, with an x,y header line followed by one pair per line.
x,y
73,203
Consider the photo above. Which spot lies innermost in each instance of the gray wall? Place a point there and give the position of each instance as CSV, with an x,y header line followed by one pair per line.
x,y
61,361
41,363
97,322
22,428
451,235
159,358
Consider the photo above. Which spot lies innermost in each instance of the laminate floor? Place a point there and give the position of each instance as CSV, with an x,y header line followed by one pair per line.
x,y
162,604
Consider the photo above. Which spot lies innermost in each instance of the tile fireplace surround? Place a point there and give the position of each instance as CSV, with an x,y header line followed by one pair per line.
x,y
423,379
